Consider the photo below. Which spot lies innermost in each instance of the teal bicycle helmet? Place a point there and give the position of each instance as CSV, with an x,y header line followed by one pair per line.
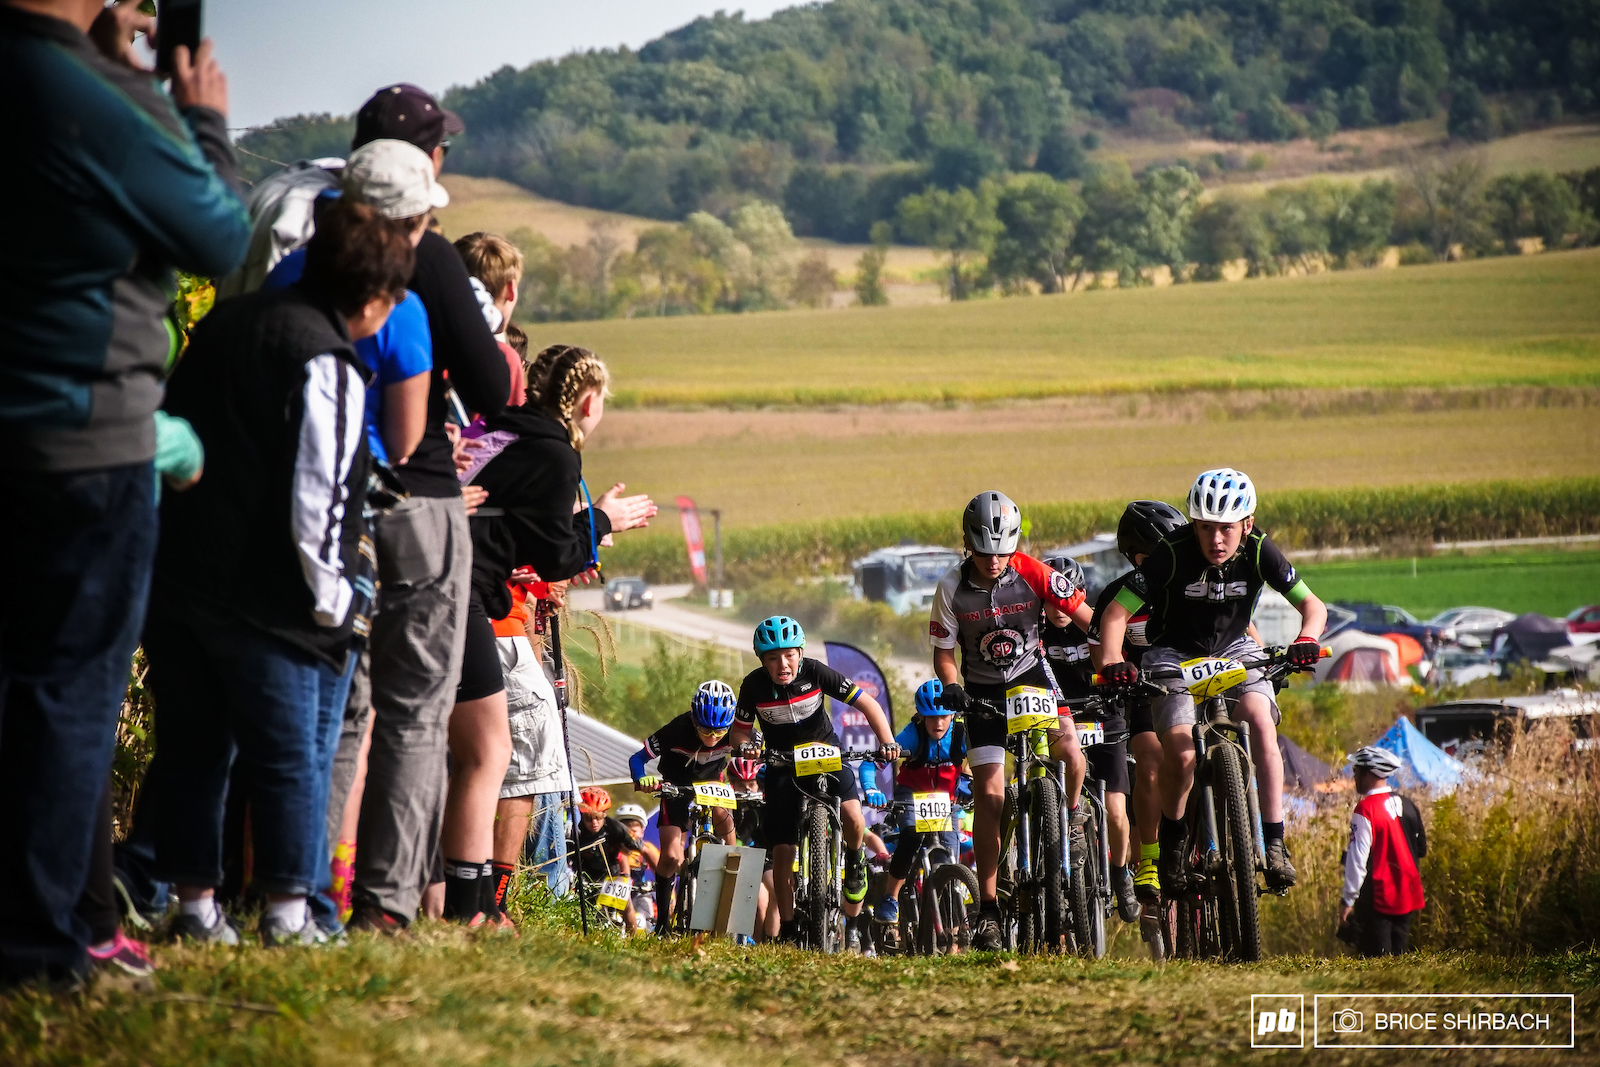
x,y
780,631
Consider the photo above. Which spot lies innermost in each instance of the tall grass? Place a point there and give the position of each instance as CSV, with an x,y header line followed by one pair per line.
x,y
1311,518
1513,862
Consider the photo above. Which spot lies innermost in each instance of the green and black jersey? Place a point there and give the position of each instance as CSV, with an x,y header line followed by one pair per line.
x,y
1201,609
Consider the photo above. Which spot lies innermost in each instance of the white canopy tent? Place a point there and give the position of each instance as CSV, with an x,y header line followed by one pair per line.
x,y
599,752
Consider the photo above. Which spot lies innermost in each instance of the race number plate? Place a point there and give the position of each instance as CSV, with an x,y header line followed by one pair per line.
x,y
932,812
1210,677
1090,733
615,893
1028,707
817,758
714,795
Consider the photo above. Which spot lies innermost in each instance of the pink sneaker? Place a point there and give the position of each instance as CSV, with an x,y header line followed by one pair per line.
x,y
125,953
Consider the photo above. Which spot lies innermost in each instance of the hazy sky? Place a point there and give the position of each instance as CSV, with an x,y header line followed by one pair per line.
x,y
285,57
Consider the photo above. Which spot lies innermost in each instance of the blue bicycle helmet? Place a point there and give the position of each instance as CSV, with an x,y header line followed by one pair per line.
x,y
928,694
780,631
712,707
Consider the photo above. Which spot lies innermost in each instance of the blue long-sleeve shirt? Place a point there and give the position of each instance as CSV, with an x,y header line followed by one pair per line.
x,y
108,189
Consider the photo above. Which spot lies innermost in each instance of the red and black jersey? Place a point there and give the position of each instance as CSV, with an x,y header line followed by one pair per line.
x,y
999,629
680,756
796,713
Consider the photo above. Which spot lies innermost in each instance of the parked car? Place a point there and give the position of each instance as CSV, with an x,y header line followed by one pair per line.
x,y
1584,620
1476,624
623,594
1458,666
1383,619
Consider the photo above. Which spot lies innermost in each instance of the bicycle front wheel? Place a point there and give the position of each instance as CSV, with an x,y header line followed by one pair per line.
x,y
683,896
946,928
1044,813
817,869
1241,922
1083,897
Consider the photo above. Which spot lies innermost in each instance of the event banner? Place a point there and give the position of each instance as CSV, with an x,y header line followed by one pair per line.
x,y
854,733
693,537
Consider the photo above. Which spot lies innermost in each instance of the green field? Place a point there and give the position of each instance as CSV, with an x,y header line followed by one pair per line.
x,y
1519,320
1552,582
445,997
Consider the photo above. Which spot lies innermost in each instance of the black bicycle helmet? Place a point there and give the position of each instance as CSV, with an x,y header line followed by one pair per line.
x,y
1144,524
1069,567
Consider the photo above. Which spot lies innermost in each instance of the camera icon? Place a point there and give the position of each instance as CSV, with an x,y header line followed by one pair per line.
x,y
1346,1021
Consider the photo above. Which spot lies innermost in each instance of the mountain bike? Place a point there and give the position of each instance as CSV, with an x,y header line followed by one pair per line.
x,y
704,799
1033,844
934,901
819,854
1090,898
1214,913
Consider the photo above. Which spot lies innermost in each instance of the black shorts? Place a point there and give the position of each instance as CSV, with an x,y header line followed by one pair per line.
x,y
780,815
987,730
1141,720
480,663
1109,761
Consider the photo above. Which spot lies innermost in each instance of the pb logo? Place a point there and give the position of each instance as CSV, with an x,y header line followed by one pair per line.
x,y
1275,1020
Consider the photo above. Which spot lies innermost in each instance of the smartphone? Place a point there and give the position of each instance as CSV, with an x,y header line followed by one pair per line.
x,y
177,22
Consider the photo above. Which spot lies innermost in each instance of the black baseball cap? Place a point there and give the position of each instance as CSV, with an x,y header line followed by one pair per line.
x,y
404,112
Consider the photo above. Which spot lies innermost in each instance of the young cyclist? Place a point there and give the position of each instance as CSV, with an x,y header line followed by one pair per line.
x,y
1201,584
991,606
603,845
786,693
934,747
693,747
1066,649
641,861
1142,526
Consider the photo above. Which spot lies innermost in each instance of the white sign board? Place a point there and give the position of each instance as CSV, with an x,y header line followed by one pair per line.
x,y
715,879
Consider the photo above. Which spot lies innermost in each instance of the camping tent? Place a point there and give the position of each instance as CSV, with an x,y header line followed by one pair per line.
x,y
1360,658
1528,637
1409,647
599,752
1422,763
1301,770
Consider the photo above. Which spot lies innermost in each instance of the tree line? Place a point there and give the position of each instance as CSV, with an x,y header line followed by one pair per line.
x,y
1029,232
838,111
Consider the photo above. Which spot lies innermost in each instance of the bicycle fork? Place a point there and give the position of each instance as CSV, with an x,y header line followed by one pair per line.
x,y
1252,798
1210,853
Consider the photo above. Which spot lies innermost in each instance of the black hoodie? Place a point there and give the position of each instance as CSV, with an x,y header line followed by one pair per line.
x,y
532,485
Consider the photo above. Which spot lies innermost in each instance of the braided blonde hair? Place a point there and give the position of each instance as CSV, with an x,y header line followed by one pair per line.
x,y
558,376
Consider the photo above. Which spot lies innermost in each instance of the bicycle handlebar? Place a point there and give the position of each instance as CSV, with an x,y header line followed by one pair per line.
x,y
1275,657
876,755
669,791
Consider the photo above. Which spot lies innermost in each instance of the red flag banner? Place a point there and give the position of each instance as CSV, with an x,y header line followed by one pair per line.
x,y
693,537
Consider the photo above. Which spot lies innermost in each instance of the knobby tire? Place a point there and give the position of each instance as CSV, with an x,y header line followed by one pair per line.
x,y
819,923
946,926
1240,914
1045,802
1083,897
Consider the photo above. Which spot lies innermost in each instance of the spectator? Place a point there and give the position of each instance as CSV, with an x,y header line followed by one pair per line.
x,y
114,184
424,563
495,265
256,685
1382,886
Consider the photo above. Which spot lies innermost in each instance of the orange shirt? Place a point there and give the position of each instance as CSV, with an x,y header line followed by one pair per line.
x,y
516,623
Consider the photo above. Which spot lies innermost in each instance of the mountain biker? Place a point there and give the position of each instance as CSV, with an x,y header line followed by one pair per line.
x,y
786,694
990,605
1066,649
1201,584
1382,886
694,747
935,746
641,861
1142,526
603,844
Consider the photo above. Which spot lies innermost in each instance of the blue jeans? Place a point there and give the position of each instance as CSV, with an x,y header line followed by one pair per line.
x,y
79,548
547,842
226,691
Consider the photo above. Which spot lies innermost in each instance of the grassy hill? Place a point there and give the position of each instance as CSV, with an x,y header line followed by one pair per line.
x,y
1522,320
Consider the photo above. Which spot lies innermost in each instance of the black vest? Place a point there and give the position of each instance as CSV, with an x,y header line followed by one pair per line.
x,y
227,548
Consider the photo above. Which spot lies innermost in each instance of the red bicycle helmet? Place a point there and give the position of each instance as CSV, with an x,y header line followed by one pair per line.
x,y
744,769
594,801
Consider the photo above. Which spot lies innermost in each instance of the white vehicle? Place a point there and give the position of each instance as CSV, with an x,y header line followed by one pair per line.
x,y
904,577
1474,624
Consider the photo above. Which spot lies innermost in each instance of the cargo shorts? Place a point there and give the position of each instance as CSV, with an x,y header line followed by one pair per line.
x,y
1177,709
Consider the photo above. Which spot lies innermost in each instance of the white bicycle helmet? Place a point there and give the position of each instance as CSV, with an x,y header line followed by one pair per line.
x,y
992,523
631,811
1222,495
1378,761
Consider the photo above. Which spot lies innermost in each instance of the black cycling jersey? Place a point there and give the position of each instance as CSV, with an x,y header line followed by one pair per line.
x,y
600,861
1134,639
1199,609
1067,650
796,713
681,758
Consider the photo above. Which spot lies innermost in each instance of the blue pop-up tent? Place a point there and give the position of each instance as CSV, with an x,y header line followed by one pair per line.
x,y
1422,763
